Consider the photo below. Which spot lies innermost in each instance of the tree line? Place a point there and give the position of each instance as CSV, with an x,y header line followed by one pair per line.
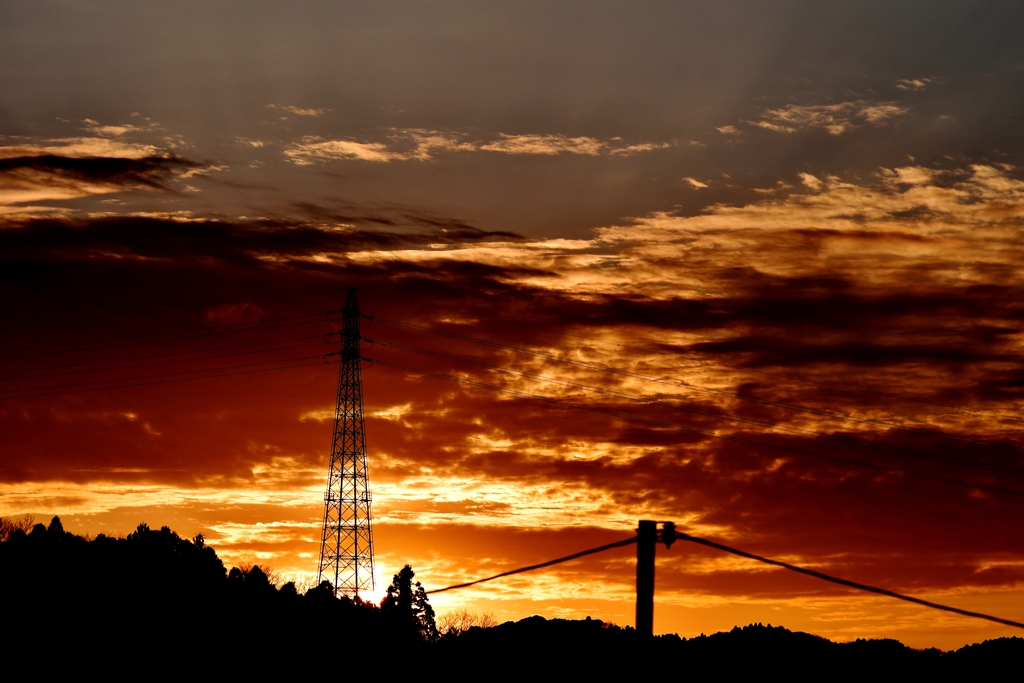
x,y
152,598
156,586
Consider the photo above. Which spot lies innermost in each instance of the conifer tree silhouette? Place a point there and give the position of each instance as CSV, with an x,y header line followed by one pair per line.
x,y
406,605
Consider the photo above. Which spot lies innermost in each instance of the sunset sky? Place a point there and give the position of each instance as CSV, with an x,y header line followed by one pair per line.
x,y
765,261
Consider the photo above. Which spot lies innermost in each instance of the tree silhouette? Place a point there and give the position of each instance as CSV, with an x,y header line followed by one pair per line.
x,y
459,621
407,607
97,599
56,528
9,525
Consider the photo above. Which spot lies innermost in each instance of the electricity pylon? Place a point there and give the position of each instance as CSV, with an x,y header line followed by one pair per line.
x,y
346,548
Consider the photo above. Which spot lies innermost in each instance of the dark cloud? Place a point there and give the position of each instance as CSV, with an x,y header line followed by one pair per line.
x,y
834,283
448,230
231,242
785,352
53,170
35,178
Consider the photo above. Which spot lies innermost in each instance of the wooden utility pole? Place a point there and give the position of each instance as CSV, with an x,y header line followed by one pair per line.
x,y
647,537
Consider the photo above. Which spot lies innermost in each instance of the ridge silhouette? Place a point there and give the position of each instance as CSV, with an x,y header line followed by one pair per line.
x,y
153,603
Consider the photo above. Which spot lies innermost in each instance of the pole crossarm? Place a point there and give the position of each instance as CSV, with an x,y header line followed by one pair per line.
x,y
582,553
845,582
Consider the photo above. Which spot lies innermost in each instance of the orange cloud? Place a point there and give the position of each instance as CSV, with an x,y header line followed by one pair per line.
x,y
407,144
836,119
774,367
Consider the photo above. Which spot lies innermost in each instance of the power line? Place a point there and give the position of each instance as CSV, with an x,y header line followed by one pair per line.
x,y
845,582
171,362
166,374
156,334
116,365
695,387
712,413
162,341
591,551
132,383
62,320
160,355
742,553
694,430
166,381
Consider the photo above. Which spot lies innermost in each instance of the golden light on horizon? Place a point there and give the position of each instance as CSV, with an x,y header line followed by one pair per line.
x,y
761,277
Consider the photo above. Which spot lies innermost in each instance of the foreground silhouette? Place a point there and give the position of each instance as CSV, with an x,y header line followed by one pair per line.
x,y
154,603
151,592
570,647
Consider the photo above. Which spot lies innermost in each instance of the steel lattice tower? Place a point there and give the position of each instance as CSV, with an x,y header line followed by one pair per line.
x,y
346,548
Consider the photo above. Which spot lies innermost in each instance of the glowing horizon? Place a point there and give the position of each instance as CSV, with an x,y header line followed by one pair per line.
x,y
752,269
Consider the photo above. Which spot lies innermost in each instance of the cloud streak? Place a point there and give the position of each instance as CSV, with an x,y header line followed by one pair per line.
x,y
424,145
894,302
835,119
299,111
784,273
913,83
33,174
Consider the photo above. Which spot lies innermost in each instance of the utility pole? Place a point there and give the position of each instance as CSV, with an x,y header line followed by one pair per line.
x,y
346,547
646,539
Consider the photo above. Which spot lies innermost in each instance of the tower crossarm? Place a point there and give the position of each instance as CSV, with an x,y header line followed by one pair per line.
x,y
346,546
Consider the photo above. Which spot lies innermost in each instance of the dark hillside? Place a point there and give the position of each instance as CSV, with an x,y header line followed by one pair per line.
x,y
537,646
153,598
66,596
